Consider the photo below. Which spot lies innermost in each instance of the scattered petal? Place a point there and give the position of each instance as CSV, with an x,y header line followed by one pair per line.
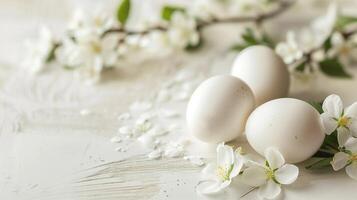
x,y
125,130
147,140
196,161
124,116
115,139
85,112
170,113
140,106
158,131
156,154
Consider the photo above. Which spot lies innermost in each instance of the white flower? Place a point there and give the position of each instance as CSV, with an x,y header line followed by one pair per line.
x,y
39,51
289,50
343,49
182,30
82,23
308,38
218,177
90,53
270,176
346,157
207,9
335,116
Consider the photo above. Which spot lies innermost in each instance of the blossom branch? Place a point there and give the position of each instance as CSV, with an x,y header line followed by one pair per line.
x,y
283,6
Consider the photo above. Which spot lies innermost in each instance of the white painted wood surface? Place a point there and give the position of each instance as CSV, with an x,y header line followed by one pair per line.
x,y
49,151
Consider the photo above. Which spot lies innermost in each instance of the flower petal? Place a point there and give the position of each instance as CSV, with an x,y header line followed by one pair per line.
x,y
274,158
209,172
254,176
351,144
287,174
270,190
225,155
209,187
238,164
339,161
353,126
333,105
342,136
329,123
351,170
351,111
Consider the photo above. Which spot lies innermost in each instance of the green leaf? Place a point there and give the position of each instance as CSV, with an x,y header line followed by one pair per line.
x,y
250,39
51,55
332,67
123,11
301,67
167,11
327,44
344,21
191,48
320,164
317,106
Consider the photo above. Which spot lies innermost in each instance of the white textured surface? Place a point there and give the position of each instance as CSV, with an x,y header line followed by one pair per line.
x,y
49,150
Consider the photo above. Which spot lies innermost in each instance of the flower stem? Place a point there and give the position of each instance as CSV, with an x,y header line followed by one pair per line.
x,y
248,192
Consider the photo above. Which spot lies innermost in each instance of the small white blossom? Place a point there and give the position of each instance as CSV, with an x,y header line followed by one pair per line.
x,y
207,9
344,49
308,38
82,23
271,175
336,117
219,176
347,158
39,51
182,30
90,54
289,50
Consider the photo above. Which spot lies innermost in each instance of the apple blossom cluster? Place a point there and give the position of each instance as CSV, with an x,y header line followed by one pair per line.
x,y
327,44
97,41
267,175
339,149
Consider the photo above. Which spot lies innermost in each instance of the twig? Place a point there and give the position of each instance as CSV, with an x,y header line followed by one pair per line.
x,y
307,56
283,5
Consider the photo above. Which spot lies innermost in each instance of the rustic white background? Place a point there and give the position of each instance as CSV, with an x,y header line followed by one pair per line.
x,y
49,151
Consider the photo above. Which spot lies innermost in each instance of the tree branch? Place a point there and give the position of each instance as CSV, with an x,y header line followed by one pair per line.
x,y
283,6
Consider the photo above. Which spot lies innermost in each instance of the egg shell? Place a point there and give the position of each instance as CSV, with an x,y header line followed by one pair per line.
x,y
264,72
291,125
219,108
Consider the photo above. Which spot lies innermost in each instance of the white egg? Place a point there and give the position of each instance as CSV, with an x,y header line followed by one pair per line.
x,y
219,108
291,125
264,72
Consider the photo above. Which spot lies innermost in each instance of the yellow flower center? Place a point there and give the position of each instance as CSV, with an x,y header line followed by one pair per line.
x,y
95,46
224,172
270,174
345,50
353,157
343,121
